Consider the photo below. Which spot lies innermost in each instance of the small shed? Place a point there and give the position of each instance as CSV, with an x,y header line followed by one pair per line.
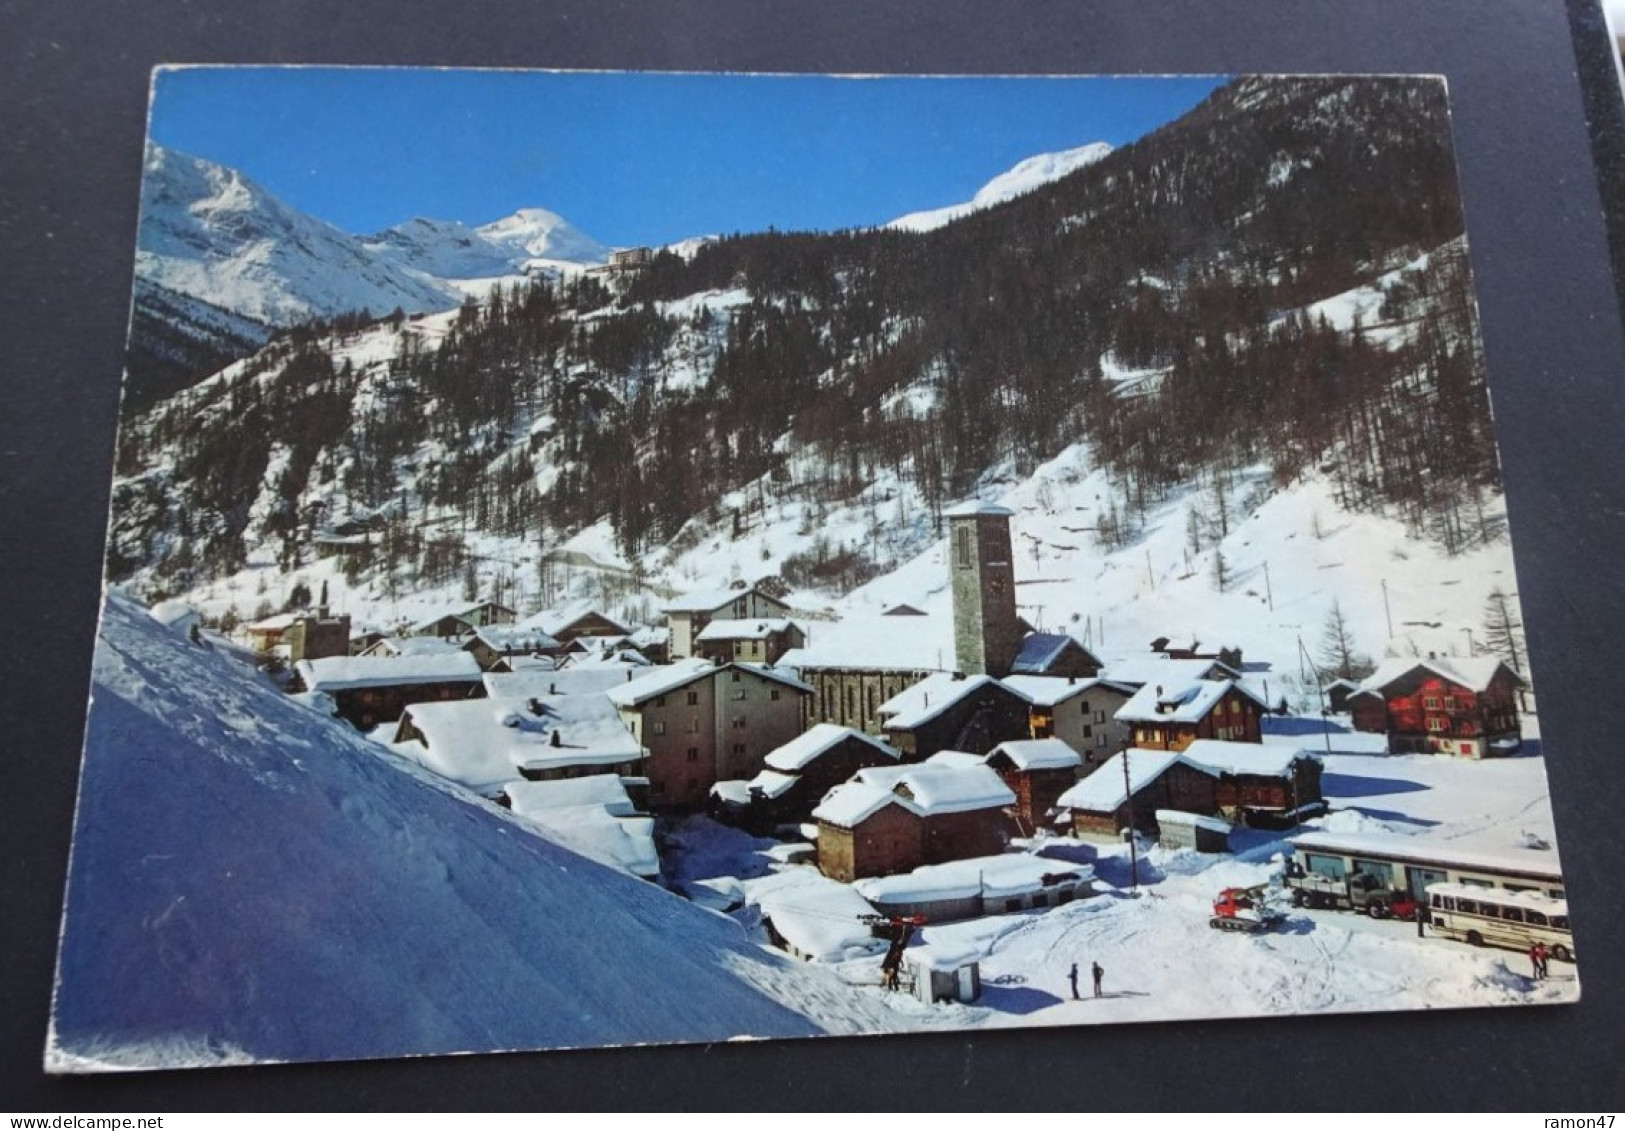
x,y
945,974
1180,829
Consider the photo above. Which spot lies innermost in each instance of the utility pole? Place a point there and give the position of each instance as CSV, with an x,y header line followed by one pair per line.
x,y
1386,610
1133,848
1320,688
1269,595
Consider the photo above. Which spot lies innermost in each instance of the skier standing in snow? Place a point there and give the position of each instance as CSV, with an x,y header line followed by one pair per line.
x,y
1534,961
1099,974
1072,977
1542,958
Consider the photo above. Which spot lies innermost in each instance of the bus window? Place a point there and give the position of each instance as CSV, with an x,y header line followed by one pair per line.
x,y
1512,914
1467,906
1534,918
1329,866
1560,922
1521,887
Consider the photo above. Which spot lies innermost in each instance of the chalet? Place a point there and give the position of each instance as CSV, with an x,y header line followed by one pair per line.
x,y
867,830
492,646
1037,771
798,774
1080,712
368,690
703,723
1464,707
688,616
862,661
571,622
488,744
591,815
761,641
458,621
962,804
1054,654
310,635
953,712
1114,798
981,885
1163,717
891,819
1264,786
1336,695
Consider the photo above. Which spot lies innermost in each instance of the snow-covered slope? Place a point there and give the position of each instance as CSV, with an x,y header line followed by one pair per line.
x,y
251,880
210,232
446,249
1013,182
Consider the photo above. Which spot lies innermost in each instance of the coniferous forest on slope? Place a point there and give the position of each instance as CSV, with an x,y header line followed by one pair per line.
x,y
991,343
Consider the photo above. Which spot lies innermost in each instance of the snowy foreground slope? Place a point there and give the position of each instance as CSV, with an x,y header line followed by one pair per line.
x,y
251,881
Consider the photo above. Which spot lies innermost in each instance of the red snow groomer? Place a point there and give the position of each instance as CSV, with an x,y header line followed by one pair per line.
x,y
1248,910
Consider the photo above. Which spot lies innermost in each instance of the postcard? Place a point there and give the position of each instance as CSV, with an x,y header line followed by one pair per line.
x,y
605,559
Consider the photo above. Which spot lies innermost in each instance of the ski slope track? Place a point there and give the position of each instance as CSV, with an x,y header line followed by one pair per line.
x,y
254,882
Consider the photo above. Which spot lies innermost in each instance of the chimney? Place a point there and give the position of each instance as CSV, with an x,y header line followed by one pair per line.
x,y
534,705
553,688
556,739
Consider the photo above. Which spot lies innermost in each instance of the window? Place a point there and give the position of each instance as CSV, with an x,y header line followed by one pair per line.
x,y
739,694
739,722
1436,724
656,728
1431,702
693,753
962,547
739,748
1466,747
734,676
693,726
693,698
1088,731
1100,740
660,701
1100,716
1449,703
773,694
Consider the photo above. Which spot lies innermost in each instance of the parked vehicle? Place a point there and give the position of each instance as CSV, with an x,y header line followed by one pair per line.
x,y
1487,917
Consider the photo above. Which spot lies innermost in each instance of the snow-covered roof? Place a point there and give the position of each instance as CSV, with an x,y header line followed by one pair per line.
x,y
275,623
710,600
1152,668
660,681
627,843
758,629
820,917
1537,863
515,638
996,877
940,787
1038,754
667,678
584,679
340,673
1178,703
795,755
930,697
849,805
772,783
1039,650
1195,820
976,507
732,791
1103,791
528,798
1050,691
1272,760
560,618
410,646
1472,672
456,612
874,641
486,743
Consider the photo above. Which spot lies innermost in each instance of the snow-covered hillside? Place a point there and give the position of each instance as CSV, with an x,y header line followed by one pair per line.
x,y
539,234
252,880
1013,182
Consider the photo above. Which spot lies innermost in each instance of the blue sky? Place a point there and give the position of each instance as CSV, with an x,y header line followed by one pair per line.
x,y
638,158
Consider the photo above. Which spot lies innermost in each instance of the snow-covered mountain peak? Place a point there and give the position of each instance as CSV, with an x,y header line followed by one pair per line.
x,y
545,235
1020,178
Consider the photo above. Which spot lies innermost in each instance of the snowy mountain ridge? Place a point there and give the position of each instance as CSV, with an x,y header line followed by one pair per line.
x,y
1023,177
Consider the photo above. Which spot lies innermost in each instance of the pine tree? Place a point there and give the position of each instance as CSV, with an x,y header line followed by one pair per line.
x,y
1338,655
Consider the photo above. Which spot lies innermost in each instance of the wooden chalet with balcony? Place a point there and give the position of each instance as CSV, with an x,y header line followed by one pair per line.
x,y
1467,708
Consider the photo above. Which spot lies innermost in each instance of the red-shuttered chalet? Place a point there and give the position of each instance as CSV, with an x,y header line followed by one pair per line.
x,y
1464,707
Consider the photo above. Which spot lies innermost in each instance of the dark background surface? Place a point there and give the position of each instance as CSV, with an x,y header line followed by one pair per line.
x,y
1526,77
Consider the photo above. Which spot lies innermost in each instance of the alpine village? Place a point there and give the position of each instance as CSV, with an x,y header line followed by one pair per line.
x,y
1114,575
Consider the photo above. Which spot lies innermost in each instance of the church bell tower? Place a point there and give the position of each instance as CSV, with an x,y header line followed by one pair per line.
x,y
987,633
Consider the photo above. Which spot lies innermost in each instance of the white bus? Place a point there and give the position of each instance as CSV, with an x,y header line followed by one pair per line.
x,y
1490,917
